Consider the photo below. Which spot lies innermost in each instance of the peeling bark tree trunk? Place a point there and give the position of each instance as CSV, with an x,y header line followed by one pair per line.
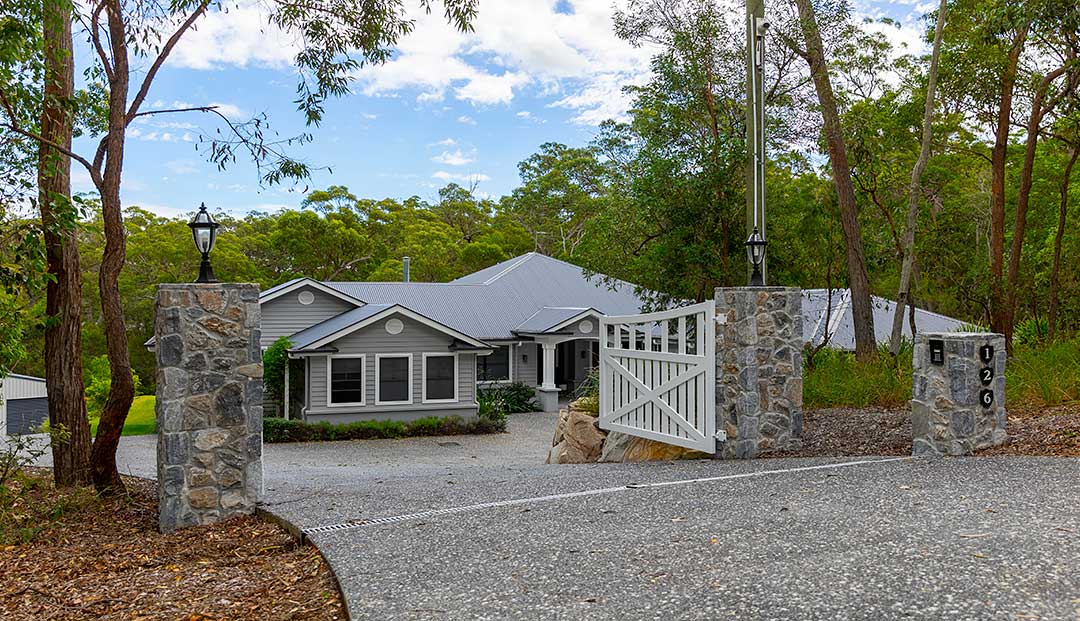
x,y
903,296
1055,273
861,310
122,390
998,318
63,297
1023,199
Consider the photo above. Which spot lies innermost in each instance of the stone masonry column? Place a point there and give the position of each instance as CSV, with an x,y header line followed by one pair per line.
x,y
209,402
958,392
758,370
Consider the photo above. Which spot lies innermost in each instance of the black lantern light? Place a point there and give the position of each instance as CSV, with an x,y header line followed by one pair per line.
x,y
204,230
755,252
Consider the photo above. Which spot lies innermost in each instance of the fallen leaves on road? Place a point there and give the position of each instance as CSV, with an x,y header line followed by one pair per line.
x,y
107,560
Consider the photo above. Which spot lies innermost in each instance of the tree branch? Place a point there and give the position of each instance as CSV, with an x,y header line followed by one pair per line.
x,y
13,125
160,60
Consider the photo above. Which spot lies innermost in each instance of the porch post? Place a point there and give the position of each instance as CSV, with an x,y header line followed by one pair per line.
x,y
549,366
285,406
548,393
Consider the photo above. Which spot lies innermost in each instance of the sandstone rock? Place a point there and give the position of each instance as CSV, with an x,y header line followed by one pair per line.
x,y
578,438
622,447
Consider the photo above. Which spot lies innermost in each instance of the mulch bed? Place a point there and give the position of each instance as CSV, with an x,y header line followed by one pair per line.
x,y
849,432
103,558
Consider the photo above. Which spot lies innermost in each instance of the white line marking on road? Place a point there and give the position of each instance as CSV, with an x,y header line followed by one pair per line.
x,y
592,492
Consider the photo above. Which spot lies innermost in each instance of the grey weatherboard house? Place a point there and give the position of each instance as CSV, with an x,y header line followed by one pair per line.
x,y
406,350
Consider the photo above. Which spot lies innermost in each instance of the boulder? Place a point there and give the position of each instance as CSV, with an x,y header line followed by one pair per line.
x,y
622,447
578,438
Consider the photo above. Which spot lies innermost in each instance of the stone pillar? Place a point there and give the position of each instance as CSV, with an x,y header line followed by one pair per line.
x,y
958,392
209,402
758,370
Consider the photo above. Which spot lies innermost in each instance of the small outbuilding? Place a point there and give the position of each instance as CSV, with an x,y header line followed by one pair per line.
x,y
24,404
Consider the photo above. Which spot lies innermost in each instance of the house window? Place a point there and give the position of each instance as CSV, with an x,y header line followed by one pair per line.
x,y
346,380
393,378
495,367
440,378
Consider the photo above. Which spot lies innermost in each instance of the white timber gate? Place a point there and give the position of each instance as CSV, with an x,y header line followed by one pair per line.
x,y
658,376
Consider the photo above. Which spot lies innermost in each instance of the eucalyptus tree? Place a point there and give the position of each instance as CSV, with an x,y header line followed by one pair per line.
x,y
808,44
335,38
903,296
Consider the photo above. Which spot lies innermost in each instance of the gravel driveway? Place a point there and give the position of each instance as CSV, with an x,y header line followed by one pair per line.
x,y
809,538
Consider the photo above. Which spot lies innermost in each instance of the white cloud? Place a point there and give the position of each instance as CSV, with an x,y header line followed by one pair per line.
x,y
457,158
236,35
445,142
524,114
526,44
443,175
230,111
467,120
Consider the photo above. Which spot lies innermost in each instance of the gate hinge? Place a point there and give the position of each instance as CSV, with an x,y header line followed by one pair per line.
x,y
720,436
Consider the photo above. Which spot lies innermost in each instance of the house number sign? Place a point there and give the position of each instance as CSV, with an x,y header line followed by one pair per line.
x,y
986,375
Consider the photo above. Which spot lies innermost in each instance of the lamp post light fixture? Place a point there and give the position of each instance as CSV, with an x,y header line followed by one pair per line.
x,y
204,230
755,252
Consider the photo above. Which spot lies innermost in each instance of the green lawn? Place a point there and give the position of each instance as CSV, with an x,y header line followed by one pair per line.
x,y
140,420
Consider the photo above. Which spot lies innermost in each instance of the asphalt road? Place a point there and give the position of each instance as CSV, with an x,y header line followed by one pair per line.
x,y
970,538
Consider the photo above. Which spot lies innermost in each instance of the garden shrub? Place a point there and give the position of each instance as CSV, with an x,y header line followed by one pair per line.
x,y
493,410
517,397
276,429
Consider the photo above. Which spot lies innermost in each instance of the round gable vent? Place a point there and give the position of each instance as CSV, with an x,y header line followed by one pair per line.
x,y
394,326
585,326
305,297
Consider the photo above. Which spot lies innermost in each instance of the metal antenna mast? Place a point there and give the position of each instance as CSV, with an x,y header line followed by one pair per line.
x,y
756,28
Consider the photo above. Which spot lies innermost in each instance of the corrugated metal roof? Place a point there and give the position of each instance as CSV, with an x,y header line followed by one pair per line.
x,y
16,386
842,328
306,337
547,318
515,290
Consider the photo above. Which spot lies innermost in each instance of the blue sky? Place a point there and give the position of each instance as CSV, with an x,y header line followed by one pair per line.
x,y
448,107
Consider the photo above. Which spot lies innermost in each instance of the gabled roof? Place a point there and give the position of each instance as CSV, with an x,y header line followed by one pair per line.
x,y
323,334
299,283
550,319
492,303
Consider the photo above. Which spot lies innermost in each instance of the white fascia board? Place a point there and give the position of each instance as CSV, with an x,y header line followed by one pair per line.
x,y
314,284
397,309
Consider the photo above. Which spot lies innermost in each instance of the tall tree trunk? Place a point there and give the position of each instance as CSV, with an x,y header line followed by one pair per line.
x,y
861,309
998,155
1038,111
122,390
903,296
63,297
1055,272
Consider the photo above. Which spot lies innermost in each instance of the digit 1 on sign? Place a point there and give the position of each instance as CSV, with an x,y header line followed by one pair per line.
x,y
986,375
986,398
986,354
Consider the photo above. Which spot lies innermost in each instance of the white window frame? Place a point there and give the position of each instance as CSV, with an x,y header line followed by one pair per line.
x,y
512,347
423,377
378,400
330,380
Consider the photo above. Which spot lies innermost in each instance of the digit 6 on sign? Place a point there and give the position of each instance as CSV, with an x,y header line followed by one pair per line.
x,y
986,397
